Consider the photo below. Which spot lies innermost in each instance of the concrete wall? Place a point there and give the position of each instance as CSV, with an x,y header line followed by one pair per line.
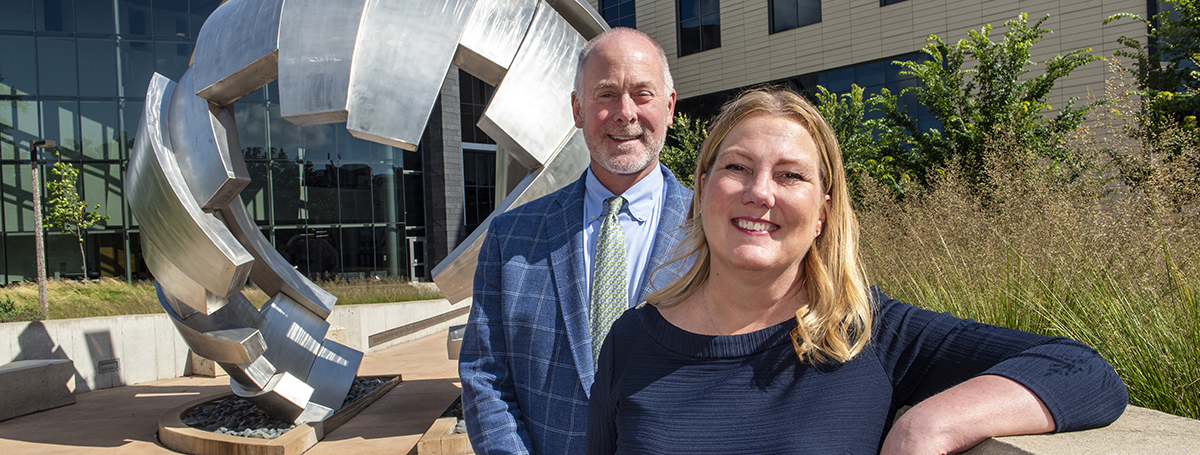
x,y
859,31
148,348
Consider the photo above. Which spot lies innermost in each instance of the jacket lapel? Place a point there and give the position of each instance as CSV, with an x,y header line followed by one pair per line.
x,y
566,263
676,204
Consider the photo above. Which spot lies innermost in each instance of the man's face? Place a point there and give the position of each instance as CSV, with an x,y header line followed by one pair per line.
x,y
623,105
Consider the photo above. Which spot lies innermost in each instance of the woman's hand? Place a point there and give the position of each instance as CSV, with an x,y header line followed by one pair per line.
x,y
967,414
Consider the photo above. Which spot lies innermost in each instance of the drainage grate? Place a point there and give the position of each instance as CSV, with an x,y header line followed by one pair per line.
x,y
108,366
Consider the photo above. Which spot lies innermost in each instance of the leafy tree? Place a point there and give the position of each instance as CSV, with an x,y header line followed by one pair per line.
x,y
685,134
994,96
865,143
1165,68
68,213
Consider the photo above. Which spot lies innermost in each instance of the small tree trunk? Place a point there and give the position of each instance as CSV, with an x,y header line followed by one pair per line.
x,y
82,257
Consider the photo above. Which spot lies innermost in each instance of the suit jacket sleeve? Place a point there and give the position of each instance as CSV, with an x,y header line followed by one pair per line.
x,y
488,394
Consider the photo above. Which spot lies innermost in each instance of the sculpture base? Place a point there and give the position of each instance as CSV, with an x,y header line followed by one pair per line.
x,y
177,436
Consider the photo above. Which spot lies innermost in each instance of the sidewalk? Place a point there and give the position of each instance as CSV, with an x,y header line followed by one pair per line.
x,y
124,419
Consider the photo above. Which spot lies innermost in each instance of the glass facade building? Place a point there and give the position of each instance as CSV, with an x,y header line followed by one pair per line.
x,y
76,72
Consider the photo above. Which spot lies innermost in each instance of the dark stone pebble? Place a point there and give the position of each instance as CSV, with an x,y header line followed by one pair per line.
x,y
237,416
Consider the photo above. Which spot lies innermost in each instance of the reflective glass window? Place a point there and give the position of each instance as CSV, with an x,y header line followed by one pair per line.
x,y
18,198
55,15
251,118
350,147
319,190
131,116
98,63
18,15
256,194
292,244
94,16
137,66
171,18
354,192
699,25
20,121
62,255
387,192
479,186
140,271
618,13
56,66
106,255
172,58
200,9
60,122
474,96
889,2
319,141
100,129
19,248
286,194
17,65
103,184
414,199
361,251
790,14
135,17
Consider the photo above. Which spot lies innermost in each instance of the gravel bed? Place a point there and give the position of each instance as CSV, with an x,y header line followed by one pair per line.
x,y
456,410
237,416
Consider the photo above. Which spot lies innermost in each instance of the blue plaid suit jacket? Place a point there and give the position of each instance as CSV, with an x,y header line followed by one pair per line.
x,y
526,358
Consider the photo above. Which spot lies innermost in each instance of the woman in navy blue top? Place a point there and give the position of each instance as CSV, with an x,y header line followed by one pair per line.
x,y
772,341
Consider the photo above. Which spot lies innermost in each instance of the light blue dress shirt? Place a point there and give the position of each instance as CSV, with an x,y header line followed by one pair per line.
x,y
639,218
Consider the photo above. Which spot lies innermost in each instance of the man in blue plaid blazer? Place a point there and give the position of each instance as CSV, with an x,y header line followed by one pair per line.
x,y
526,362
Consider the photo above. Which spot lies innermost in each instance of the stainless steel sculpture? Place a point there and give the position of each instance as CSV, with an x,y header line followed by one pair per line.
x,y
377,65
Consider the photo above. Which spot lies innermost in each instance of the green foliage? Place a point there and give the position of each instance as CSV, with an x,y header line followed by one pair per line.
x,y
685,134
995,95
67,212
1166,71
865,143
11,312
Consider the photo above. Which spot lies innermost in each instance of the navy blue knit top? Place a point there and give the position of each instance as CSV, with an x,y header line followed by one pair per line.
x,y
660,389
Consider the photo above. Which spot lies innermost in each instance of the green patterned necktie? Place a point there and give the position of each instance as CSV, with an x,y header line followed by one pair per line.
x,y
609,296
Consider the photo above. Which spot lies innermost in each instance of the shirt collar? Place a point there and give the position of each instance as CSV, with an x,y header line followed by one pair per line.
x,y
640,199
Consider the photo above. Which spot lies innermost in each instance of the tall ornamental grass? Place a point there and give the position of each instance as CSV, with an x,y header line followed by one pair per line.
x,y
1074,250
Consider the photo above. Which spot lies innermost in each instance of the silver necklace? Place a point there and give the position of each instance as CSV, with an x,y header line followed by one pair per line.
x,y
704,298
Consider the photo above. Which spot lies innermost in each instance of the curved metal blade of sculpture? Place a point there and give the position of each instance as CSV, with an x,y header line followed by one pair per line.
x,y
378,66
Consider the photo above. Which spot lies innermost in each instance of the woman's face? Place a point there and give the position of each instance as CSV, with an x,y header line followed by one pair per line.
x,y
762,200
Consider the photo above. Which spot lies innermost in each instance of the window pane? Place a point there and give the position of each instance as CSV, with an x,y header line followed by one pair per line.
x,y
292,245
137,66
870,75
711,34
106,255
20,119
809,12
251,121
255,194
708,7
319,191
17,65
135,17
414,200
94,16
171,59
18,199
285,186
285,137
689,9
100,129
352,148
171,18
361,251
98,59
783,15
18,15
200,10
19,249
131,117
387,196
55,15
103,184
60,122
354,192
56,67
689,37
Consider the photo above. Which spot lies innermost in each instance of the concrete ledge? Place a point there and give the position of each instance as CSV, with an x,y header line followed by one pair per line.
x,y
28,386
1139,430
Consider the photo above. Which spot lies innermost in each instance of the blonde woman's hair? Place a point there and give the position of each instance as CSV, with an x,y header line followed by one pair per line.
x,y
835,324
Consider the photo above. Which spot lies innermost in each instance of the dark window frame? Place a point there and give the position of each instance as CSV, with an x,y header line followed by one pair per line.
x,y
713,41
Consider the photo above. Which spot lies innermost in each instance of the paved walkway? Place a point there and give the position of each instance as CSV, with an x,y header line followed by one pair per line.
x,y
124,419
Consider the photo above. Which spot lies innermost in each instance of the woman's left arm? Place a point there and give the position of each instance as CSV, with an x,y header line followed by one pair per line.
x,y
967,414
